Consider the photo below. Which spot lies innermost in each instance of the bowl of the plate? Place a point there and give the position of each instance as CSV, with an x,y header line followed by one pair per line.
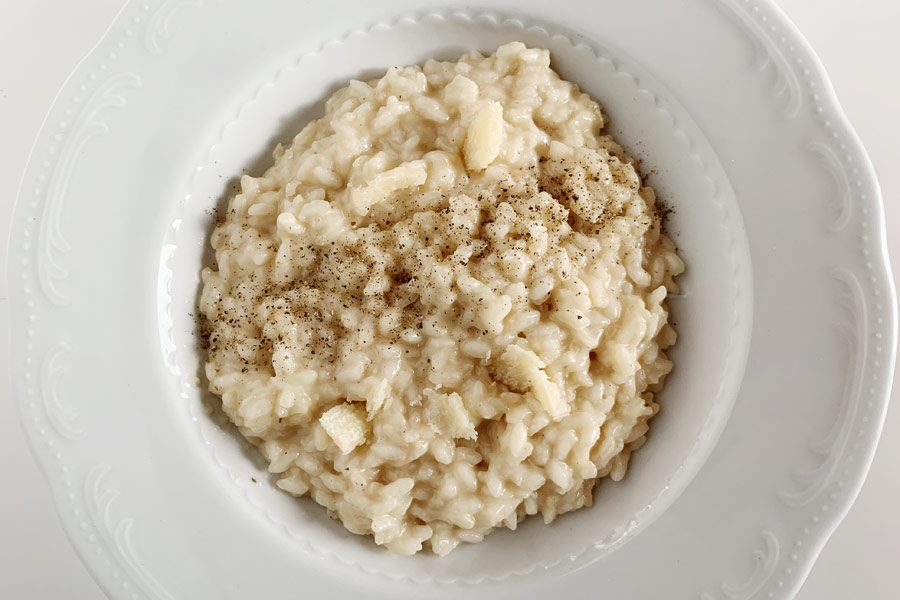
x,y
712,314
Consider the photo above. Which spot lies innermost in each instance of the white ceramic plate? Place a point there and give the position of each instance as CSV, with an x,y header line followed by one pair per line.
x,y
725,105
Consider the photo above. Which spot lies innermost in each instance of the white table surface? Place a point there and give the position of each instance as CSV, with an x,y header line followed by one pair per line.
x,y
43,40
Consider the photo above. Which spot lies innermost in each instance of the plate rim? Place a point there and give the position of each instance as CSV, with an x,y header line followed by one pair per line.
x,y
832,106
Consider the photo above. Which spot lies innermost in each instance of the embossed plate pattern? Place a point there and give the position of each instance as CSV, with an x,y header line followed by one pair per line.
x,y
106,386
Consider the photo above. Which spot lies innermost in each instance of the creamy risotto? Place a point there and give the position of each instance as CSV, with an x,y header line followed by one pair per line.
x,y
442,309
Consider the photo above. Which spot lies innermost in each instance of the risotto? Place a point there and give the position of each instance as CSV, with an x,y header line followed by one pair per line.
x,y
442,309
